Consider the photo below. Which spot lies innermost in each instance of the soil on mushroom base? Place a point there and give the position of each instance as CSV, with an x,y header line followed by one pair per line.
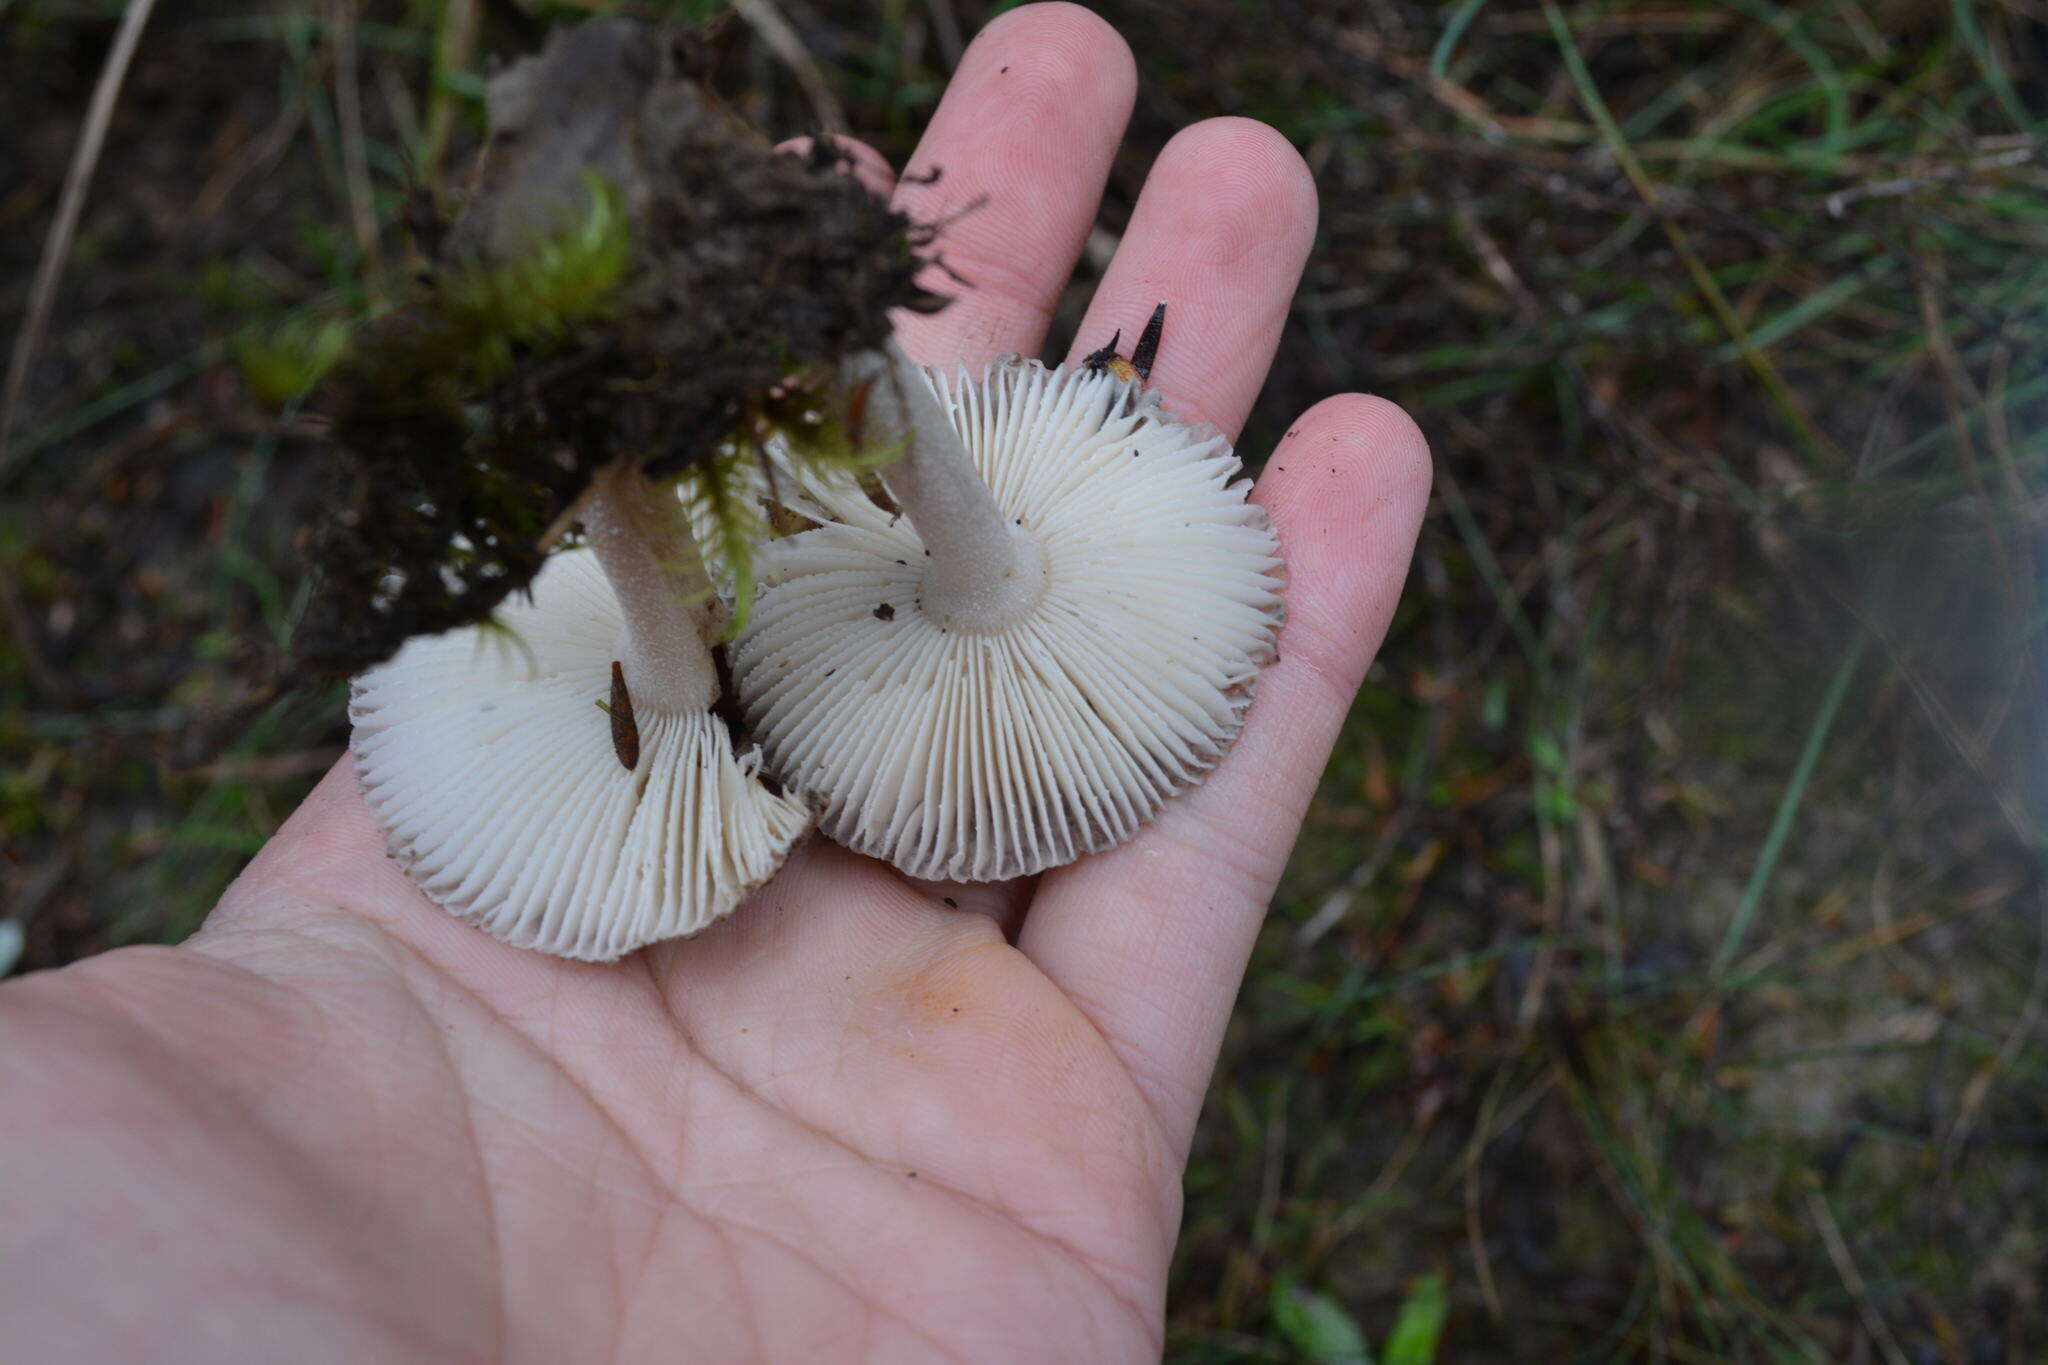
x,y
747,274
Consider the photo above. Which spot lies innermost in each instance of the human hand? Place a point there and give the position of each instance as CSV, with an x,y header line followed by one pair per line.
x,y
852,1120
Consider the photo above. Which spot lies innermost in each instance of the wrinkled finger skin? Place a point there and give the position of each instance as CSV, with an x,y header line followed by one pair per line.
x,y
849,1122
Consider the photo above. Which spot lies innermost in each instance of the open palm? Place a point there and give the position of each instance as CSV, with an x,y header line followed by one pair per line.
x,y
859,1119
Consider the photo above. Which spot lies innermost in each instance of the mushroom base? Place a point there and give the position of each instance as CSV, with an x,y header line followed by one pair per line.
x,y
1010,588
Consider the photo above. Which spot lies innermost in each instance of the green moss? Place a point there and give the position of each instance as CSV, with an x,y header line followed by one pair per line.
x,y
495,310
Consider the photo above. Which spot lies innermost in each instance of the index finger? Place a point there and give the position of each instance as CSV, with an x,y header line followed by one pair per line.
x,y
1150,940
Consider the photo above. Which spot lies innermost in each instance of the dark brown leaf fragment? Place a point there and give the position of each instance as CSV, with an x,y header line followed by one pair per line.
x,y
625,730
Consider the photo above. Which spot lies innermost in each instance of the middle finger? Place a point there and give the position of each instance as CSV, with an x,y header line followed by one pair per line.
x,y
1026,129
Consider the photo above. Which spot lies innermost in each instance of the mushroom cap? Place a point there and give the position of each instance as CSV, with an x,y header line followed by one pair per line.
x,y
967,756
494,780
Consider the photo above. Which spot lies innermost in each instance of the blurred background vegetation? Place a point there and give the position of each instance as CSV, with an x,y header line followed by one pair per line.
x,y
1661,974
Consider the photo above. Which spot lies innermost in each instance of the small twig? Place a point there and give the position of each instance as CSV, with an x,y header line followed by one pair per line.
x,y
1978,1087
57,245
1971,748
1897,931
1550,855
1273,1170
1475,1229
454,41
355,158
1492,575
274,142
1338,903
946,28
1959,398
1838,1252
1997,430
1475,1233
1945,173
768,24
1492,257
1467,107
14,615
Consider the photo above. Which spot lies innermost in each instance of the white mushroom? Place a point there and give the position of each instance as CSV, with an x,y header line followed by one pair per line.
x,y
514,802
1063,631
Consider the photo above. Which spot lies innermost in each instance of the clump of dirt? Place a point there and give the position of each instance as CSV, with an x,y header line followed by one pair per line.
x,y
635,275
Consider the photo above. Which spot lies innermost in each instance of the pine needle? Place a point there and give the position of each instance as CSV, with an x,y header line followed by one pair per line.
x,y
64,227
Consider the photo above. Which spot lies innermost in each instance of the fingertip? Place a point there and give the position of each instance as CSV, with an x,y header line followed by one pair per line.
x,y
1053,81
1248,177
1375,436
1080,42
1346,488
864,163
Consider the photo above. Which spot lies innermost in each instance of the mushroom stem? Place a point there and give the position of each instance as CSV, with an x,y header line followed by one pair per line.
x,y
986,571
643,543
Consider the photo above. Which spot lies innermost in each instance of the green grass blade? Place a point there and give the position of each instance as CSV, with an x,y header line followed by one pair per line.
x,y
1994,70
1421,1324
1454,29
1788,804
